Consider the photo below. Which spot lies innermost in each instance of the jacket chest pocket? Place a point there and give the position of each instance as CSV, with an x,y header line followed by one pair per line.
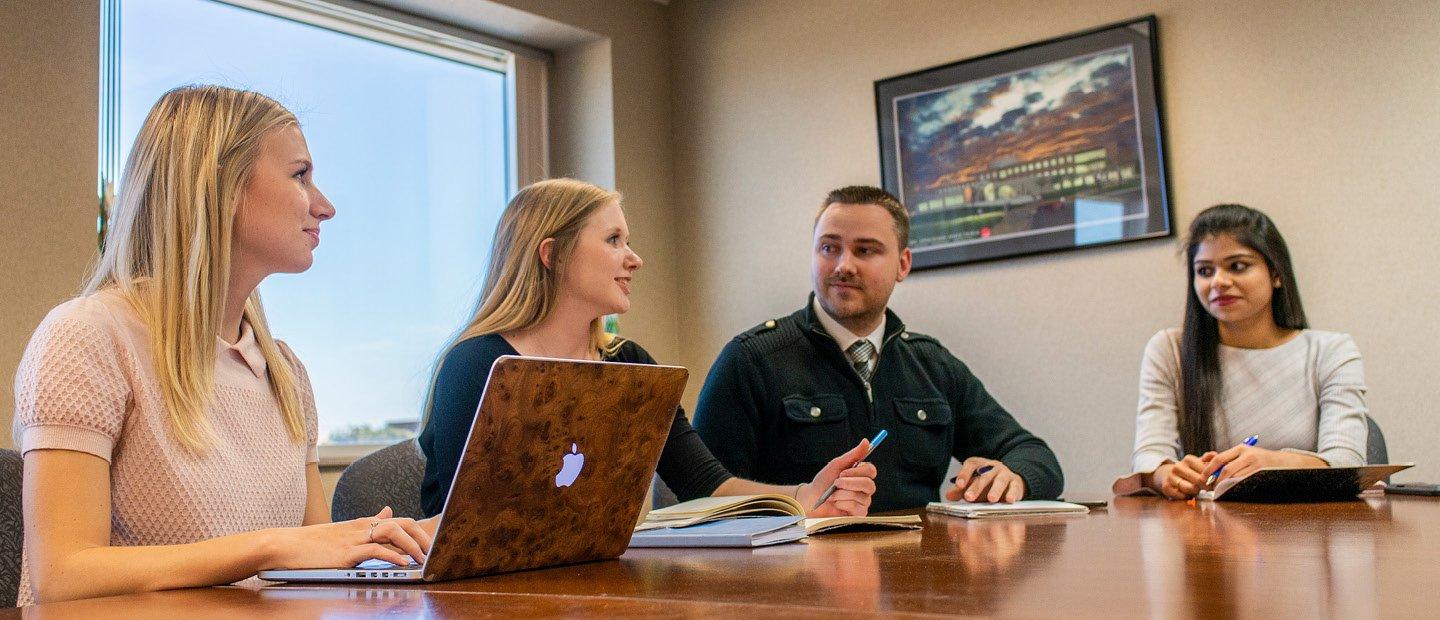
x,y
816,428
926,431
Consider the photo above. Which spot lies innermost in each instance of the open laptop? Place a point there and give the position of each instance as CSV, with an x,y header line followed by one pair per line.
x,y
555,471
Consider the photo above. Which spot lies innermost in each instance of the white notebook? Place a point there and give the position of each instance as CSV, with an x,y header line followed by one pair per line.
x,y
1017,509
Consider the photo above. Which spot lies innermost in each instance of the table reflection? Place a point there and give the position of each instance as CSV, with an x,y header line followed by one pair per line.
x,y
975,566
1234,559
1142,557
848,566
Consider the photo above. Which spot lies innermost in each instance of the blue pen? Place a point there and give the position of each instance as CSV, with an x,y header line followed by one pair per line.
x,y
879,437
978,472
1249,441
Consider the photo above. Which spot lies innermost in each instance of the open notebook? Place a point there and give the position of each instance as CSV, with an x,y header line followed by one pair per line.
x,y
826,525
1017,509
709,509
697,511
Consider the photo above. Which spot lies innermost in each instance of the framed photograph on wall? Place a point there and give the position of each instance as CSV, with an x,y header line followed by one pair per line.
x,y
1050,146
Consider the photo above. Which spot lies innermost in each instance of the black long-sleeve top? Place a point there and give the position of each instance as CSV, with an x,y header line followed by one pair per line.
x,y
686,465
782,400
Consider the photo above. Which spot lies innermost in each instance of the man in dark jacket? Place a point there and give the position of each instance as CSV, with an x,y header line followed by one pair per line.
x,y
785,397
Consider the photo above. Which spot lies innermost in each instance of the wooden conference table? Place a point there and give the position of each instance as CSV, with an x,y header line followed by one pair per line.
x,y
1141,557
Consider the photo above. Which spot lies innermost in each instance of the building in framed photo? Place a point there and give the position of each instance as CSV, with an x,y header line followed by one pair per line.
x,y
1051,146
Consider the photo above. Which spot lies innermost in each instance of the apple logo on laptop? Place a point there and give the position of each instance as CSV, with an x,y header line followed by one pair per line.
x,y
574,460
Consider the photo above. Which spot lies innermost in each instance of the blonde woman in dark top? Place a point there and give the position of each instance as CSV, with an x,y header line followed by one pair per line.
x,y
561,261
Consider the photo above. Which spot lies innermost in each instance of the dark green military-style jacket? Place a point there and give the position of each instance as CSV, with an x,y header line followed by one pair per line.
x,y
782,400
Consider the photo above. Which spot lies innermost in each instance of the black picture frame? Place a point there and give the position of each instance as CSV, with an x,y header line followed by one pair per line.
x,y
1051,146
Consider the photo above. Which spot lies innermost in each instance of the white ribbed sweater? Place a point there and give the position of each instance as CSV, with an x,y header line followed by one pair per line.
x,y
1305,395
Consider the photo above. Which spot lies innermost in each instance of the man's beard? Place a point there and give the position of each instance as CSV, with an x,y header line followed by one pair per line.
x,y
860,311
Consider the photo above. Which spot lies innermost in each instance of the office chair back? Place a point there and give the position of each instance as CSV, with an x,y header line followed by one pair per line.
x,y
1375,452
12,528
389,476
660,494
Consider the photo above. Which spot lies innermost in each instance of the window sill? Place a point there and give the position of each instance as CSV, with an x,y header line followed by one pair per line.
x,y
340,456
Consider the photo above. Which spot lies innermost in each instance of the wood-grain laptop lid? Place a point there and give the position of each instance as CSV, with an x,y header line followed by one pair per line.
x,y
557,465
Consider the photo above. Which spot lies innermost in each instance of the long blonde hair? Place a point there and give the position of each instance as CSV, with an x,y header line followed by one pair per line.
x,y
519,290
167,249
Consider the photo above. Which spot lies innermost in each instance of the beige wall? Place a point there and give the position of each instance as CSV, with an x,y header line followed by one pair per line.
x,y
1320,113
49,80
582,118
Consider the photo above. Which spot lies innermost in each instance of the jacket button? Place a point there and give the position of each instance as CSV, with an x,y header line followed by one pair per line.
x,y
770,324
904,335
921,414
814,412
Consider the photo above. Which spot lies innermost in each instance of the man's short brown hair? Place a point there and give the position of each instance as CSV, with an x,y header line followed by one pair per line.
x,y
869,195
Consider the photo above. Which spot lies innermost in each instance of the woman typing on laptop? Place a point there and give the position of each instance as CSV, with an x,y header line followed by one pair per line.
x,y
168,439
1245,364
560,262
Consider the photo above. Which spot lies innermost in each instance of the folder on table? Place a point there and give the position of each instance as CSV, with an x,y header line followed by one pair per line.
x,y
1301,484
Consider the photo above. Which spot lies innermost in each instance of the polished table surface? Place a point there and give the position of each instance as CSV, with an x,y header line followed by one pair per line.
x,y
1141,557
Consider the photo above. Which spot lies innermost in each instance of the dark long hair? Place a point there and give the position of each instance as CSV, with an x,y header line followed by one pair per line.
x,y
1200,339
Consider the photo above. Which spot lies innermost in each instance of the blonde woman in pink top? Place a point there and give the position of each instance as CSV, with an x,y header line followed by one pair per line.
x,y
168,439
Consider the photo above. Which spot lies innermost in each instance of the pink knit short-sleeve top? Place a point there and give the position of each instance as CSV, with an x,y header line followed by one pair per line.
x,y
87,383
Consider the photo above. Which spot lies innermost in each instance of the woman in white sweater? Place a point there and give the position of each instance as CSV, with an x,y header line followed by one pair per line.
x,y
1245,363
